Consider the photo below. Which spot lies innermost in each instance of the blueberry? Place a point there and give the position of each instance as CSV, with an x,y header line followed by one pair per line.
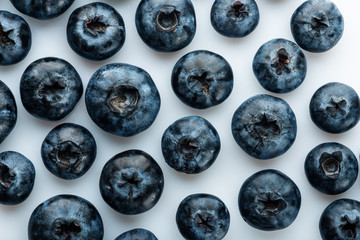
x,y
317,25
17,176
137,234
15,38
202,79
166,25
65,217
331,168
341,220
269,200
190,144
8,111
279,65
264,126
131,182
42,9
95,31
233,18
202,216
122,99
335,107
68,151
50,88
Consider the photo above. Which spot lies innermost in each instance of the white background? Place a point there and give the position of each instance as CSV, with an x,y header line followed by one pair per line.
x,y
232,166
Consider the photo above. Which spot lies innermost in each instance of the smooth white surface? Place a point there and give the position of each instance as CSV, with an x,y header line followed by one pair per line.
x,y
232,166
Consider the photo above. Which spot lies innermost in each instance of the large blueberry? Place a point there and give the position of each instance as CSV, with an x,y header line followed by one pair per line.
x,y
137,234
68,151
166,25
65,217
42,9
17,176
317,25
122,99
335,107
95,31
8,111
341,220
202,217
15,38
202,79
269,200
50,88
264,126
279,65
131,182
190,144
233,18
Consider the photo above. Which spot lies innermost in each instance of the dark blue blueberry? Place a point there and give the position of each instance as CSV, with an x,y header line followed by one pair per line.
x,y
42,9
236,19
202,217
269,200
190,145
202,79
335,107
122,99
17,176
137,234
341,220
50,88
166,25
68,151
131,182
15,38
331,168
8,111
279,65
65,217
95,31
264,126
317,25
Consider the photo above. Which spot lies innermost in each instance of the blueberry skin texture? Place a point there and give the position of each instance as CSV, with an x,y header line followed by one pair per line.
x,y
202,216
8,111
15,38
17,178
65,217
166,25
234,19
331,168
280,66
340,220
190,145
122,99
264,126
131,182
68,151
317,25
138,234
269,200
202,79
96,31
335,107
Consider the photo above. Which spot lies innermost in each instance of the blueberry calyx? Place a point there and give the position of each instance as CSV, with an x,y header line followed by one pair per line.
x,y
63,229
350,226
281,61
128,179
239,10
66,154
189,148
330,164
167,19
201,82
6,177
264,125
205,219
270,203
4,37
95,26
124,100
319,24
335,108
51,90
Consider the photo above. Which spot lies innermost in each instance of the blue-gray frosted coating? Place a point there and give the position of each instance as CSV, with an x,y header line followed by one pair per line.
x,y
122,99
137,234
191,144
65,217
8,111
17,176
166,25
233,18
317,25
335,107
264,126
279,65
269,200
331,168
15,38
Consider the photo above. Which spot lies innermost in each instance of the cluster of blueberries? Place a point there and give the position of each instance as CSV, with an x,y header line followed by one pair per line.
x,y
122,99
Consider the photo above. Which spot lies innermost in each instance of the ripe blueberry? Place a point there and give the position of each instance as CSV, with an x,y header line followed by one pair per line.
x,y
137,234
8,111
